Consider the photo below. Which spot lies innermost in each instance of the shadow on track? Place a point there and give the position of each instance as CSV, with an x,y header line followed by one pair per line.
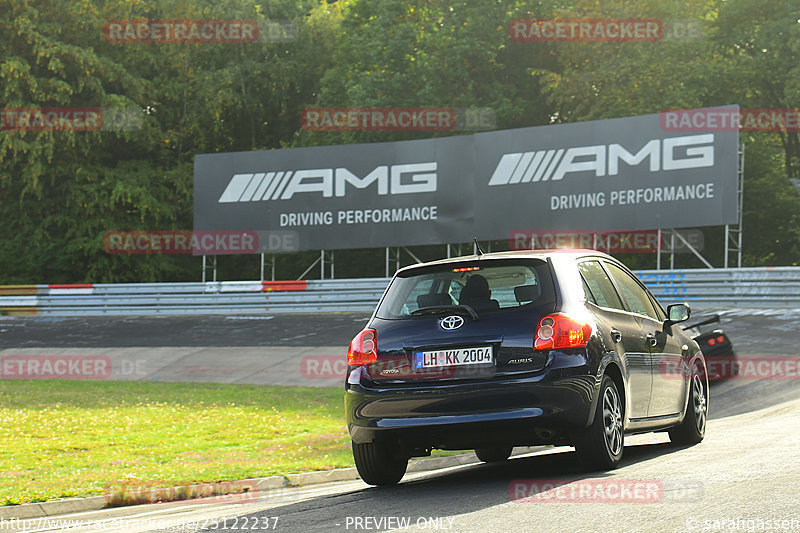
x,y
466,490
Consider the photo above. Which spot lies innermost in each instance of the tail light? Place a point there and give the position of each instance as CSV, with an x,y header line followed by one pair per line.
x,y
363,348
719,340
557,331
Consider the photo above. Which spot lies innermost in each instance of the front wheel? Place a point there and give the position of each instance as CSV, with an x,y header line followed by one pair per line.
x,y
693,428
600,446
379,464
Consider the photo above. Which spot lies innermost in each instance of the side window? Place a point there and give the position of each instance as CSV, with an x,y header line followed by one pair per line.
x,y
419,294
587,291
634,295
662,315
600,286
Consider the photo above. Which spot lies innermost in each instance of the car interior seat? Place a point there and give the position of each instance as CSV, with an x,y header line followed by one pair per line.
x,y
432,300
476,294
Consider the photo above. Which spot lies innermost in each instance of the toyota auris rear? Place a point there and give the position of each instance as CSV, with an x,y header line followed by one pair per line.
x,y
512,349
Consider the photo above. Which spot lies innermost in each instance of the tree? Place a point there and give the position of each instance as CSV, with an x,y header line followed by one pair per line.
x,y
761,39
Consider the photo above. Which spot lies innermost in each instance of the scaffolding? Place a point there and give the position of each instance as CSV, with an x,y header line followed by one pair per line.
x,y
733,232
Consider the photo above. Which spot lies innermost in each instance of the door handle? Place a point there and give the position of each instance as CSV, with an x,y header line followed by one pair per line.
x,y
651,340
616,336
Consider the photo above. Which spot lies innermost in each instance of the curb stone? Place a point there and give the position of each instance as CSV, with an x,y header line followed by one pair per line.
x,y
52,508
95,503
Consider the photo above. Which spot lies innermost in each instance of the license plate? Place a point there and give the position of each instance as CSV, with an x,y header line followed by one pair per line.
x,y
481,355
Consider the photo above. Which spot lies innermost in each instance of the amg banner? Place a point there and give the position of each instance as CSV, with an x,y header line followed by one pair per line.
x,y
617,174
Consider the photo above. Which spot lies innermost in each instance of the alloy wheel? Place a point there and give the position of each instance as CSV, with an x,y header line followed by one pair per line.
x,y
612,420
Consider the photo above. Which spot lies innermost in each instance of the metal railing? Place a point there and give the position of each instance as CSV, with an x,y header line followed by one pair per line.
x,y
747,287
222,297
764,287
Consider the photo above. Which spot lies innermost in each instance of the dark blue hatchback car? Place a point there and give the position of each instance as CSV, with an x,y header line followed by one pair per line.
x,y
497,350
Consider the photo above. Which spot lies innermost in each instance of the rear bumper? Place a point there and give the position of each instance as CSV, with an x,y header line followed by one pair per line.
x,y
534,409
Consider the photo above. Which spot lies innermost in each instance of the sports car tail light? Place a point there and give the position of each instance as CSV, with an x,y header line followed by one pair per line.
x,y
558,331
363,348
712,342
720,339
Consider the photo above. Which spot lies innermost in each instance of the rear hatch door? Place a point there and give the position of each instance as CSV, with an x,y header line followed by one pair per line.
x,y
462,321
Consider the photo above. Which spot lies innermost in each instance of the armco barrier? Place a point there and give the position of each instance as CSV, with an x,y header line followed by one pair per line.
x,y
747,287
764,287
224,297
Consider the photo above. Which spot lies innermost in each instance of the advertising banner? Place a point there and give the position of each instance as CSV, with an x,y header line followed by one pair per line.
x,y
617,174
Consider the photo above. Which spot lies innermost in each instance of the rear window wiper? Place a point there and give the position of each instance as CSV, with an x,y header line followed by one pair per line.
x,y
445,309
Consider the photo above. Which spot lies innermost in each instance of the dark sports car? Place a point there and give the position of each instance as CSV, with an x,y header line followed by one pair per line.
x,y
717,348
497,350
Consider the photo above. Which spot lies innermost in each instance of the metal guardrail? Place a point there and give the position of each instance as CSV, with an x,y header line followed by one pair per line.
x,y
764,287
225,297
747,287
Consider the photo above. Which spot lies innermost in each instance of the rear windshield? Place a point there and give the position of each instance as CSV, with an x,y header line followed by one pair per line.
x,y
485,286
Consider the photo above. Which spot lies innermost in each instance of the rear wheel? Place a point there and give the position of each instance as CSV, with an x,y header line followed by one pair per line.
x,y
600,446
494,454
693,428
379,464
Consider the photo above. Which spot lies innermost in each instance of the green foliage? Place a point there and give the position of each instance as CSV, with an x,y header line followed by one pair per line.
x,y
762,41
61,191
771,235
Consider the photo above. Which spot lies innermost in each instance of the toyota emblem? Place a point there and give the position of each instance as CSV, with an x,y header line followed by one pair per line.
x,y
450,323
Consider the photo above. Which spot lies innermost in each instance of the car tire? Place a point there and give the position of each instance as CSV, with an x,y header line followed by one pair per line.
x,y
379,464
600,446
693,428
495,454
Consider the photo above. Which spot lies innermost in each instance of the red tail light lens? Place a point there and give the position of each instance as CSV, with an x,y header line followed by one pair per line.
x,y
720,339
363,348
557,331
711,342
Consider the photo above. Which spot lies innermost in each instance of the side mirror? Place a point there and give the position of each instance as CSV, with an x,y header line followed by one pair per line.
x,y
678,313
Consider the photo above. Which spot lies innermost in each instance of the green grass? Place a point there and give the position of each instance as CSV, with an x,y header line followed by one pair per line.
x,y
62,439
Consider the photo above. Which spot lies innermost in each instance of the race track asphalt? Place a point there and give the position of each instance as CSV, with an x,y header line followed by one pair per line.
x,y
309,349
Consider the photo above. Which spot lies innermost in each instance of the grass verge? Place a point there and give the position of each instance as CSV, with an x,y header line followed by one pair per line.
x,y
63,439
